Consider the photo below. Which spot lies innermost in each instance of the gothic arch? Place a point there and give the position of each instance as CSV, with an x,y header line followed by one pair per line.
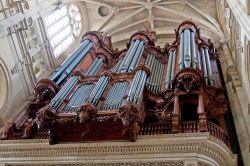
x,y
4,86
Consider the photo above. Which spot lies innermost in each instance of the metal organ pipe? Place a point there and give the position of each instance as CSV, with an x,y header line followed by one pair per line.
x,y
168,76
187,50
115,95
79,97
98,90
181,50
204,65
137,86
65,90
137,56
156,67
132,57
209,70
59,71
199,61
74,63
129,56
134,85
173,66
95,66
193,50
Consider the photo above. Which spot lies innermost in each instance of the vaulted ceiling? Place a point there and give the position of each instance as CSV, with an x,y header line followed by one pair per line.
x,y
121,18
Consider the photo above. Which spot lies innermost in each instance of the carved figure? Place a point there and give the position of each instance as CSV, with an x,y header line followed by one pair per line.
x,y
28,125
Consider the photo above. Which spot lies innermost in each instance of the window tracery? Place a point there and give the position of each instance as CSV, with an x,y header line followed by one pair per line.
x,y
63,26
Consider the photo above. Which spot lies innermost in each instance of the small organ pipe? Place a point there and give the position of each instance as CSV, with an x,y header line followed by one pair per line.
x,y
168,76
187,52
79,97
181,49
193,50
98,90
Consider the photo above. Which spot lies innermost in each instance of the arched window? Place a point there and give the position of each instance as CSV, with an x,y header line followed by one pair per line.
x,y
63,25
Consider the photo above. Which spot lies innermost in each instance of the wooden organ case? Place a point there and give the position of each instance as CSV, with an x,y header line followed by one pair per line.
x,y
101,93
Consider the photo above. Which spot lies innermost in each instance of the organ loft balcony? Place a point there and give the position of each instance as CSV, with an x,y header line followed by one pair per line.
x,y
101,93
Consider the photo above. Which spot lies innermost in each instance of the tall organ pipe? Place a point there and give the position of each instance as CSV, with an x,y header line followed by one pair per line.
x,y
181,50
187,51
129,56
91,66
137,87
69,60
204,65
137,56
193,51
132,57
140,87
94,68
134,85
168,76
209,70
199,61
173,67
74,63
157,75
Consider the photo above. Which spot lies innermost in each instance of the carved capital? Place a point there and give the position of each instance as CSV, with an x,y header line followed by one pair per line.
x,y
45,90
128,113
45,117
86,112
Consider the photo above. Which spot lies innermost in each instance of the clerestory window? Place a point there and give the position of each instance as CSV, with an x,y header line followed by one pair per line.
x,y
63,25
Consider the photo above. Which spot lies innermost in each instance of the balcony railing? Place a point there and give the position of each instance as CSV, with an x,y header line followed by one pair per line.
x,y
218,132
185,127
155,128
189,127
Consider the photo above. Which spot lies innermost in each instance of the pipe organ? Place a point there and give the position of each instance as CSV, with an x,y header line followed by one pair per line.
x,y
101,93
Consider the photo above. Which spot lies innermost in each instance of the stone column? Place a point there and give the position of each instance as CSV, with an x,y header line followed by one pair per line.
x,y
228,57
202,114
176,115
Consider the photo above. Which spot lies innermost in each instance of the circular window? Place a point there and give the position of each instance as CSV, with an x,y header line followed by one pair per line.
x,y
103,11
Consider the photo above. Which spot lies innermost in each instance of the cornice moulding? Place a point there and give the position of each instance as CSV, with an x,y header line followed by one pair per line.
x,y
163,148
